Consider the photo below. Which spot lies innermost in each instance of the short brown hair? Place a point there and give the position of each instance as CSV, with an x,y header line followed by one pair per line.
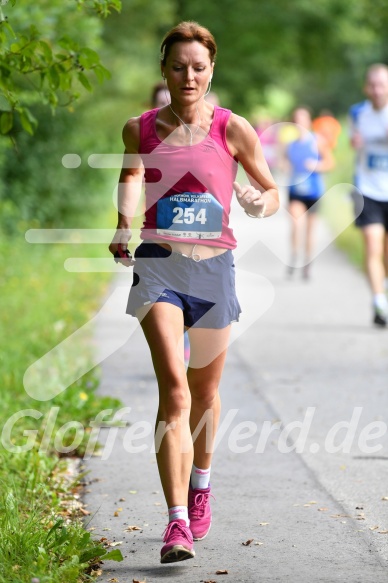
x,y
188,31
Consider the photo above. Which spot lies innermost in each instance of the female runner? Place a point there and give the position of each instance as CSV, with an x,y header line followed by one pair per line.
x,y
184,274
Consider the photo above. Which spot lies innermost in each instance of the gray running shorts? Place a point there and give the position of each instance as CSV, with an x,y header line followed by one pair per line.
x,y
204,290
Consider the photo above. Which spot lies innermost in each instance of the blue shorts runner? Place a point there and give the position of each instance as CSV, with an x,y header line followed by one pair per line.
x,y
204,290
369,211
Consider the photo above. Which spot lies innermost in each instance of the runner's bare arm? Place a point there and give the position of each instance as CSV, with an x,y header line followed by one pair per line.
x,y
355,138
262,193
130,184
327,161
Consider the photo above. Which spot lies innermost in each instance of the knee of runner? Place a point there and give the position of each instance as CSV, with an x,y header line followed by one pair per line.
x,y
205,395
174,401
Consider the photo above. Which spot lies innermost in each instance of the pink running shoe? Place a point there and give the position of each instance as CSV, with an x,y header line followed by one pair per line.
x,y
179,543
200,514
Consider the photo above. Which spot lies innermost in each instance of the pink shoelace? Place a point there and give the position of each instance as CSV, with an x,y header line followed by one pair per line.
x,y
200,501
175,530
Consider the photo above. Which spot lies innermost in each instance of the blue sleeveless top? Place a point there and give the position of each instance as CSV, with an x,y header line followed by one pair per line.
x,y
303,182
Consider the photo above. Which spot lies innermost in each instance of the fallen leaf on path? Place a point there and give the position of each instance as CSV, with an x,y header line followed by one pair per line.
x,y
121,499
264,523
131,528
116,513
359,508
133,491
113,580
248,542
373,527
210,581
157,503
115,543
383,531
384,498
259,543
324,509
221,572
138,581
84,512
313,502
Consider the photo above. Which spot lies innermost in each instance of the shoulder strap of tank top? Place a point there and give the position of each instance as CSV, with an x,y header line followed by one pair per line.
x,y
147,129
218,128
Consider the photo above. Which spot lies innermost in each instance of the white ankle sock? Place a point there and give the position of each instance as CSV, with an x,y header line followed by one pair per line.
x,y
380,301
178,513
200,478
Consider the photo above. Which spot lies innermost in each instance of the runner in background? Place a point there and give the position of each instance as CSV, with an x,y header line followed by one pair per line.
x,y
266,128
308,156
160,95
369,138
328,127
212,98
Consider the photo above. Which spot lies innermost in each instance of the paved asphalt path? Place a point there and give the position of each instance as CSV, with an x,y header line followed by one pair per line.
x,y
310,497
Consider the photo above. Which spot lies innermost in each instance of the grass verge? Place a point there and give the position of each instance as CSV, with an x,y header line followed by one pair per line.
x,y
42,537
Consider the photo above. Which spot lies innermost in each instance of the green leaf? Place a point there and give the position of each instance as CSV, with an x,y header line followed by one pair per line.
x,y
6,122
5,25
92,553
87,58
53,76
58,524
27,120
46,50
101,73
68,43
115,555
85,81
52,99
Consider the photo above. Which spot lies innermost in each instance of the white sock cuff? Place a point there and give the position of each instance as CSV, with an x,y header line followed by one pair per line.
x,y
178,513
380,301
200,478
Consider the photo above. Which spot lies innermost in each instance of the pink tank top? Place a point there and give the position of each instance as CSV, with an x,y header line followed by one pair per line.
x,y
188,189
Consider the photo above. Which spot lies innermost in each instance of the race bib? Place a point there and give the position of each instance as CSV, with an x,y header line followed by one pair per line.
x,y
378,162
189,215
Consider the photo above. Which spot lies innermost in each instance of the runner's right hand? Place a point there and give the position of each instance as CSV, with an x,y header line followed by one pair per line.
x,y
119,245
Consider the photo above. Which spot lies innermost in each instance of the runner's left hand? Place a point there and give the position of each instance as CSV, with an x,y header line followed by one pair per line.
x,y
247,195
